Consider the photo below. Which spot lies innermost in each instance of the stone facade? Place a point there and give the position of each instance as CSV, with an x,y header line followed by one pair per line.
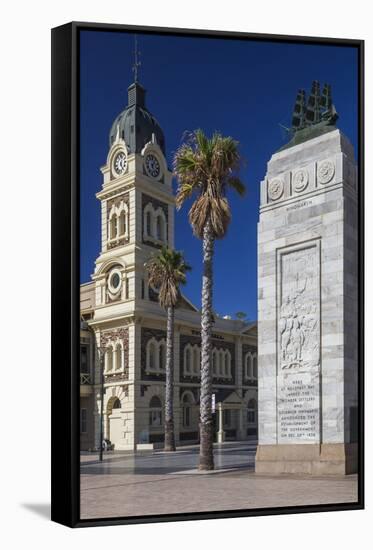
x,y
307,309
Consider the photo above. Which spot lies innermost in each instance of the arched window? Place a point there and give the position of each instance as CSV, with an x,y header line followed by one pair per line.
x,y
109,359
122,223
192,360
196,360
151,356
187,360
148,222
113,226
215,363
227,364
160,227
155,413
162,355
251,411
221,364
117,404
118,357
249,366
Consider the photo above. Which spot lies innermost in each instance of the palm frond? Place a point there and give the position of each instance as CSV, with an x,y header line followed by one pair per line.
x,y
166,272
236,184
208,167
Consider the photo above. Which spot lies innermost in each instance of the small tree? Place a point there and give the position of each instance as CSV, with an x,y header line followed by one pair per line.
x,y
166,272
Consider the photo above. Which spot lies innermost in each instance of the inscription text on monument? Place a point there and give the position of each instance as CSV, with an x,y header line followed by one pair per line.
x,y
298,408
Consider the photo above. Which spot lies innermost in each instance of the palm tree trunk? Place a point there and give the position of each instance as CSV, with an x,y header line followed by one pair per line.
x,y
206,456
169,436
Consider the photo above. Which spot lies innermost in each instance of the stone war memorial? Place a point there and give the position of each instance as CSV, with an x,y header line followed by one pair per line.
x,y
307,298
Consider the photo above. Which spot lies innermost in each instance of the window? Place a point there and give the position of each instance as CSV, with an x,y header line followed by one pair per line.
x,y
117,404
155,413
215,363
251,366
84,360
196,360
83,421
148,221
155,224
113,227
122,223
118,221
156,356
251,412
162,355
118,357
187,361
227,364
221,363
109,359
152,352
192,360
161,227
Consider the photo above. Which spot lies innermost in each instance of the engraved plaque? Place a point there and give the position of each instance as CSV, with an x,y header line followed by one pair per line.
x,y
298,343
298,408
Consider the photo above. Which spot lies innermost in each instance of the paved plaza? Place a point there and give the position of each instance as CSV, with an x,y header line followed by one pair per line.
x,y
155,482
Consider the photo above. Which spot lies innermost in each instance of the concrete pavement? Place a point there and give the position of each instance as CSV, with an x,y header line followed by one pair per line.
x,y
154,482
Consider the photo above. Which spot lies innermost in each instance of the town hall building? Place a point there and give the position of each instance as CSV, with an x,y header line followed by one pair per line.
x,y
122,321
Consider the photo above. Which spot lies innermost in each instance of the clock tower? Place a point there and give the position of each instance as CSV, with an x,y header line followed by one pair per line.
x,y
137,204
137,219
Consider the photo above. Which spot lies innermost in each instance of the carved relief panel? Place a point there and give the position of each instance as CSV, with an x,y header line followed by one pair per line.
x,y
299,307
298,343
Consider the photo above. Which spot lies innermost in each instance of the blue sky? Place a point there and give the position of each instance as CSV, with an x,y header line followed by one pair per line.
x,y
244,89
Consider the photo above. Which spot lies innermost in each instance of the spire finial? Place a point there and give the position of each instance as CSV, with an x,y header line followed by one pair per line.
x,y
137,62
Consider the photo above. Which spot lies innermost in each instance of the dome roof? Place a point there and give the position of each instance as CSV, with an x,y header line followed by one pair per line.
x,y
136,124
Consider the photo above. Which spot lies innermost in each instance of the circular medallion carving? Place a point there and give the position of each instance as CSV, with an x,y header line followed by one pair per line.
x,y
325,171
300,180
275,189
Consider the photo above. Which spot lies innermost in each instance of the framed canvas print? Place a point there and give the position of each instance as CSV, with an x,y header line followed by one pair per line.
x,y
207,225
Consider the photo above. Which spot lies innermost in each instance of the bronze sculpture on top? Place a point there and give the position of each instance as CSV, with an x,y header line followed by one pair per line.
x,y
312,117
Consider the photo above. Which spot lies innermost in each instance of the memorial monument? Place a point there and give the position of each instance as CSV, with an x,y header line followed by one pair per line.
x,y
307,298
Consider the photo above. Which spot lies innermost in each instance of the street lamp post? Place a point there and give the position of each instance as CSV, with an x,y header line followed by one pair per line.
x,y
101,353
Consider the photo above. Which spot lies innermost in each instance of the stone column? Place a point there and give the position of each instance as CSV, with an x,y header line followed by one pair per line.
x,y
307,309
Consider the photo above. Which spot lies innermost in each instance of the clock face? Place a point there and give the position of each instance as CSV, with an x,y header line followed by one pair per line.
x,y
152,165
120,162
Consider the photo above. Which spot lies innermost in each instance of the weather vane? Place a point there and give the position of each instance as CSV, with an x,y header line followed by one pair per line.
x,y
137,62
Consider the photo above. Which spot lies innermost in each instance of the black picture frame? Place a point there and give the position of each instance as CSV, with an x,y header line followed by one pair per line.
x,y
65,274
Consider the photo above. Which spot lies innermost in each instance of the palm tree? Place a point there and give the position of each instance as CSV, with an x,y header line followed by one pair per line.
x,y
208,168
166,272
